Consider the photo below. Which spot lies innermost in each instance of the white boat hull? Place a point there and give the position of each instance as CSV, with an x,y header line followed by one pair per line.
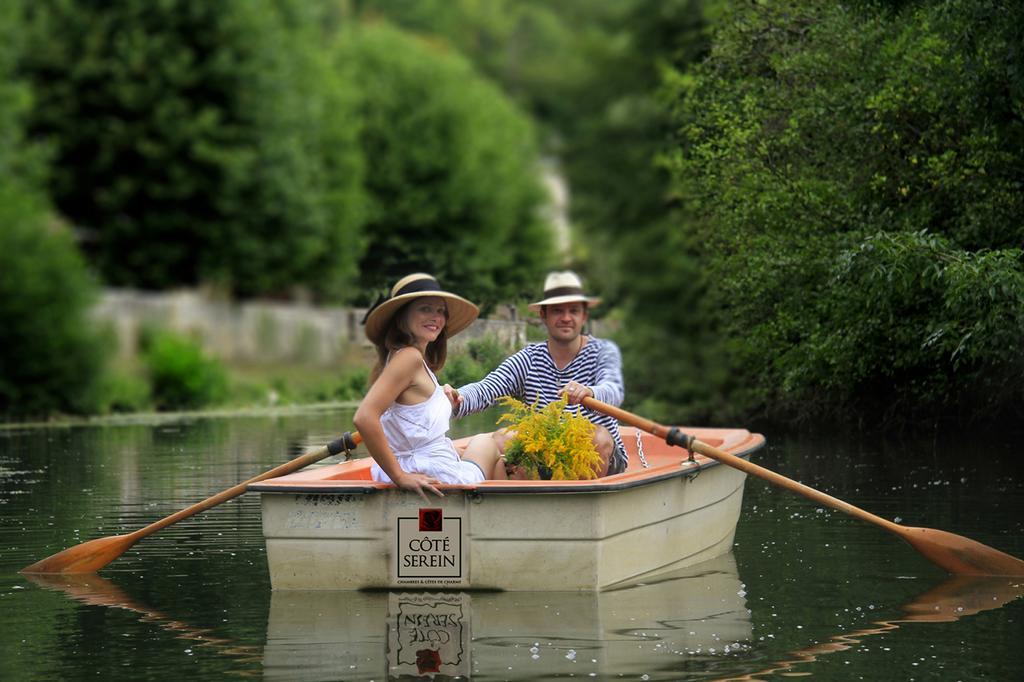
x,y
329,533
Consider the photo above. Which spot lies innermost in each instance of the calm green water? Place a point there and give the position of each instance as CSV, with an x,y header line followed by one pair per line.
x,y
806,591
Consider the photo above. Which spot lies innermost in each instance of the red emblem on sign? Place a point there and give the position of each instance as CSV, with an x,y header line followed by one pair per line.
x,y
431,520
428,661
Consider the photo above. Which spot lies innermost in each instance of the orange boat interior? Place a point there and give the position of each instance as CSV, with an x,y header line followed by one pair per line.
x,y
661,459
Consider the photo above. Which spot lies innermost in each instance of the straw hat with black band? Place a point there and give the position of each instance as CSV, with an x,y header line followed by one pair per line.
x,y
563,287
461,312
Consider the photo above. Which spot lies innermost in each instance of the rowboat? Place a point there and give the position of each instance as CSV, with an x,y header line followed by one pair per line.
x,y
332,527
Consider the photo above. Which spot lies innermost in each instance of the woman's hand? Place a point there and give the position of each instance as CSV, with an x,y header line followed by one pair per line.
x,y
417,483
453,396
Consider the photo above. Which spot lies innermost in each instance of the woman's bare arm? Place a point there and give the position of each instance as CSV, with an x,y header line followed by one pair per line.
x,y
398,375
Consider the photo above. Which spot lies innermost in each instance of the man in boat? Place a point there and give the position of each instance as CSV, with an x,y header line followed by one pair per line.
x,y
569,363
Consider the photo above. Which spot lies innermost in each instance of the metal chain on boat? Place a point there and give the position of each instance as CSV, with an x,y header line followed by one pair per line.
x,y
640,451
690,459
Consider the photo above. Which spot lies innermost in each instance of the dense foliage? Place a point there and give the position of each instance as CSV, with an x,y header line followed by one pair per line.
x,y
590,72
536,49
198,142
587,71
855,176
797,209
50,356
452,171
21,164
627,215
839,234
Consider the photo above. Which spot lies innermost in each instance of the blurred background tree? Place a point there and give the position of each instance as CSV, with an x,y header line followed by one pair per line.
x,y
854,173
591,72
734,167
452,172
51,356
199,142
794,210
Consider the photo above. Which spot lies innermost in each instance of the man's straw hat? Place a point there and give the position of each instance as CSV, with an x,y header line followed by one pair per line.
x,y
563,287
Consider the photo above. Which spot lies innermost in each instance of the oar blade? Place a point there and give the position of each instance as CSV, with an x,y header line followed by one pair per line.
x,y
960,555
87,557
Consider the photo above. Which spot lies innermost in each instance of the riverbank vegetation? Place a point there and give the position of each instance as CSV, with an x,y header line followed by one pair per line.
x,y
852,174
173,373
798,211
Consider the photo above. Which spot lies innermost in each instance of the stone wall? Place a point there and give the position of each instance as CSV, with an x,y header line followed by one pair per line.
x,y
261,331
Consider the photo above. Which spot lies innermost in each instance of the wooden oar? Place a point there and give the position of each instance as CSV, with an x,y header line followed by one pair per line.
x,y
955,553
93,555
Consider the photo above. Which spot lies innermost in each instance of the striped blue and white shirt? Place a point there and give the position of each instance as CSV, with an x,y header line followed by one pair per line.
x,y
530,375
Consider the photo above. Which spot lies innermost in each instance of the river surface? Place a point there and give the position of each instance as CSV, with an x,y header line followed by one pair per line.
x,y
805,592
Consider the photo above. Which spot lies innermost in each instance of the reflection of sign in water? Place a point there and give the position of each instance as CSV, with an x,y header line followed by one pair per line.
x,y
429,549
428,634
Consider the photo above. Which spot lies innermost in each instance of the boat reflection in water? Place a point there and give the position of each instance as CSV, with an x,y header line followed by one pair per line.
x,y
695,613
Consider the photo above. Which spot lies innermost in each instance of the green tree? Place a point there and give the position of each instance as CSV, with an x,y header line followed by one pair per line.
x,y
49,357
590,72
199,142
626,213
854,175
22,164
452,170
532,48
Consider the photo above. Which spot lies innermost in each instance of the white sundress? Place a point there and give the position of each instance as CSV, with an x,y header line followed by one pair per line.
x,y
418,435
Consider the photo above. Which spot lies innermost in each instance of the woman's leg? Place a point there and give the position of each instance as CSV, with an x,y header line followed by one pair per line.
x,y
460,445
482,450
502,437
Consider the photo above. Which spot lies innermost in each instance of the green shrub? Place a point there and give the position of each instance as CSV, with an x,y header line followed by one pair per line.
x,y
352,385
461,369
123,391
50,353
247,392
473,363
487,351
303,384
181,375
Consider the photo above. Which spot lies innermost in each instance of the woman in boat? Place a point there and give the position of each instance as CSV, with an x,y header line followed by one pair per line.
x,y
405,415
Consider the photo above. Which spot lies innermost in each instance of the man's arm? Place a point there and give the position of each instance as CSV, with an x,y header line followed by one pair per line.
x,y
506,379
609,387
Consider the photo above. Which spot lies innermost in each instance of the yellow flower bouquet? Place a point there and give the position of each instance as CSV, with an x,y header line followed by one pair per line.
x,y
550,443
